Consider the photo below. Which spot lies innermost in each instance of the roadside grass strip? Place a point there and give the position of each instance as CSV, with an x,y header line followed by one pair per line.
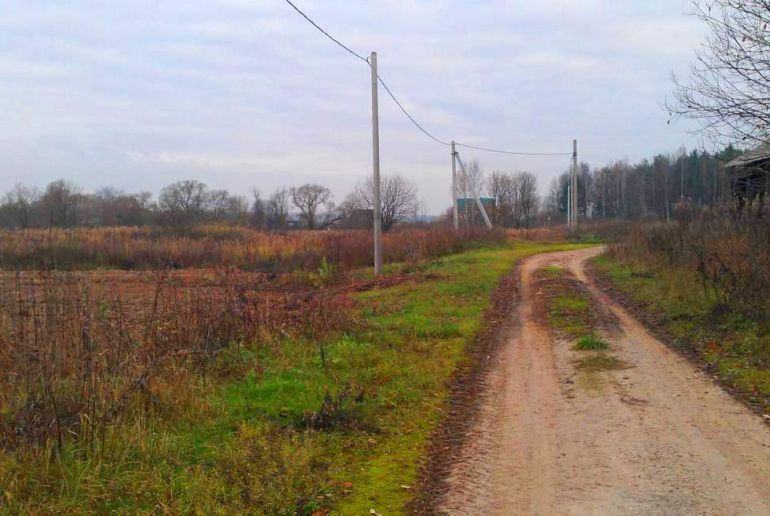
x,y
299,426
674,301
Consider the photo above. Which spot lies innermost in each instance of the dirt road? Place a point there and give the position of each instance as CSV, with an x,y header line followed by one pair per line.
x,y
654,437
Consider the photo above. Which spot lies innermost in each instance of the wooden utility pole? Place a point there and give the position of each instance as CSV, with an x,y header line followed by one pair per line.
x,y
454,187
377,209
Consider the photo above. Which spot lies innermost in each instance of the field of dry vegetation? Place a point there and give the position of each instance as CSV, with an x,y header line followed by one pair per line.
x,y
131,248
224,367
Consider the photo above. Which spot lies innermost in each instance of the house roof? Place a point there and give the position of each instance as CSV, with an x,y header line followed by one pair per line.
x,y
759,153
484,200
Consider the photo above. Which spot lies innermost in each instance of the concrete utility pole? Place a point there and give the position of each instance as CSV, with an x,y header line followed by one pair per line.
x,y
482,210
454,187
377,209
573,219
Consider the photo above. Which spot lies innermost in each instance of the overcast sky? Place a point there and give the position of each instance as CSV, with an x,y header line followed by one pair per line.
x,y
245,93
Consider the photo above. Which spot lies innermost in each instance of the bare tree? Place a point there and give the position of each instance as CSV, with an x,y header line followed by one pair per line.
x,y
331,215
584,178
59,204
528,198
515,198
278,208
184,202
21,202
188,197
217,202
112,207
682,154
258,210
728,91
398,199
308,198
553,197
237,209
221,205
502,190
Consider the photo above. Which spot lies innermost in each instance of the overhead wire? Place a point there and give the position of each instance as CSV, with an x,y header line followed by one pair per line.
x,y
410,117
404,110
513,152
338,42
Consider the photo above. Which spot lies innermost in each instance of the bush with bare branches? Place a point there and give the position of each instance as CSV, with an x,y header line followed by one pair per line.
x,y
729,251
75,363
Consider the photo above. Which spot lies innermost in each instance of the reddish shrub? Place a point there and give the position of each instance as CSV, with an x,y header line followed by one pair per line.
x,y
244,248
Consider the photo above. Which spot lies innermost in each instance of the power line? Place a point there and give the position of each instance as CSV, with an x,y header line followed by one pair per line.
x,y
359,56
403,109
421,128
314,24
442,142
513,152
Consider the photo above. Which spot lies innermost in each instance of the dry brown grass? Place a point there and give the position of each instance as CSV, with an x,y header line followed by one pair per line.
x,y
588,230
77,356
80,349
223,246
729,251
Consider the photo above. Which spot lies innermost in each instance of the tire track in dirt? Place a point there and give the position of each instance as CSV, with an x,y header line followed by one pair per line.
x,y
654,437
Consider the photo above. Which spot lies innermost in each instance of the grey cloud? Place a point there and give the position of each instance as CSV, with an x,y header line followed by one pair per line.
x,y
242,93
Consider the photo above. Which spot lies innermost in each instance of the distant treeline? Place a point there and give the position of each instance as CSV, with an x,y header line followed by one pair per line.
x,y
63,204
648,189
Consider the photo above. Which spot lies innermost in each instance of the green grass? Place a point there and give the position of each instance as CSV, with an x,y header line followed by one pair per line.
x,y
569,309
737,347
241,444
569,312
552,271
600,362
437,318
591,343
